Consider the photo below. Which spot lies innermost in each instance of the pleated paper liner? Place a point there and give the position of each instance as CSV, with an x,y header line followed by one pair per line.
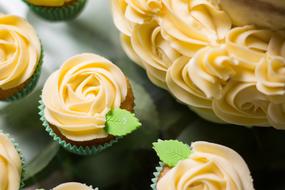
x,y
68,11
156,175
80,150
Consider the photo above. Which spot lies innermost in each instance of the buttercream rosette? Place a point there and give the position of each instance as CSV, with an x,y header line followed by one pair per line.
x,y
20,57
79,101
209,166
73,186
57,10
227,73
11,164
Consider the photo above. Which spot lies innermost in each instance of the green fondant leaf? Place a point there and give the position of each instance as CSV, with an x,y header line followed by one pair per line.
x,y
121,122
171,152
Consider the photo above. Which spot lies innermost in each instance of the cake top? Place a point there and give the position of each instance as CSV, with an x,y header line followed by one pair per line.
x,y
203,166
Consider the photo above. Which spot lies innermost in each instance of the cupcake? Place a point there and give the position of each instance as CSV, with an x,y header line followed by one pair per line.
x,y
11,164
203,166
57,10
226,64
73,186
20,58
87,104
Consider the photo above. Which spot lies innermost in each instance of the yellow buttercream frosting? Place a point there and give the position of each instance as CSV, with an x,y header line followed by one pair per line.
x,y
20,51
264,13
210,166
49,3
73,186
193,49
10,165
78,96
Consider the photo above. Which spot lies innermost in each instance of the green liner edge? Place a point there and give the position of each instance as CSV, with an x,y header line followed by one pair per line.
x,y
156,174
66,12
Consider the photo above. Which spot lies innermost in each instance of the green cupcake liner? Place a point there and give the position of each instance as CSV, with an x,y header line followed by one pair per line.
x,y
66,12
16,145
80,150
31,85
156,175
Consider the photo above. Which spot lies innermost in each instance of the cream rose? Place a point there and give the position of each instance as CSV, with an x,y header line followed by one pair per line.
x,y
78,96
242,104
154,51
126,13
248,45
210,166
180,84
73,186
10,165
270,75
20,51
190,25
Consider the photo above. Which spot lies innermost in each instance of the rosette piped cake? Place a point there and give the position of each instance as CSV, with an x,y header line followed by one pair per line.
x,y
87,104
202,166
226,70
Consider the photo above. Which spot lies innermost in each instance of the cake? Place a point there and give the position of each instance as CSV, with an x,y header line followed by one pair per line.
x,y
223,64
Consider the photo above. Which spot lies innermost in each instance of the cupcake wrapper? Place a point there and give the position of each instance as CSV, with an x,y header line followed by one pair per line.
x,y
16,145
66,12
156,174
31,85
80,150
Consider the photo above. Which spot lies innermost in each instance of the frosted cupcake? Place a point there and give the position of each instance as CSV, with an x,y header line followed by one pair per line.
x,y
203,166
20,57
73,186
57,10
11,164
87,104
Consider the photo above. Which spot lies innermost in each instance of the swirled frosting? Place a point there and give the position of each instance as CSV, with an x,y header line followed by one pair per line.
x,y
10,165
192,49
73,186
49,3
191,25
78,96
242,104
154,51
210,166
20,51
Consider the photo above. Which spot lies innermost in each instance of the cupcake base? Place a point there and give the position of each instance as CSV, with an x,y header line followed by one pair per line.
x,y
24,89
68,11
85,147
